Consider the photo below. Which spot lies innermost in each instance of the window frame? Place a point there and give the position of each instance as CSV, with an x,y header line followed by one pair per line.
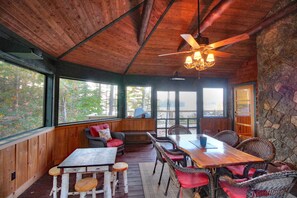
x,y
47,119
125,98
224,102
57,99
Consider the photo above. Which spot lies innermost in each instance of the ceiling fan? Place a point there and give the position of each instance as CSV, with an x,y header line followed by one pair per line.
x,y
202,53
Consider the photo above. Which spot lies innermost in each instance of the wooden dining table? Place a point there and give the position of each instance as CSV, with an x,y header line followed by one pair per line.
x,y
216,153
88,160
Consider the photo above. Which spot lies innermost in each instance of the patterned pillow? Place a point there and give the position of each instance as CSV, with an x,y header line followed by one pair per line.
x,y
105,133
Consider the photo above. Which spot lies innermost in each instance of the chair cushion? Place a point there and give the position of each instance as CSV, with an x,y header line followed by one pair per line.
x,y
233,192
174,157
238,170
94,130
191,180
114,143
105,133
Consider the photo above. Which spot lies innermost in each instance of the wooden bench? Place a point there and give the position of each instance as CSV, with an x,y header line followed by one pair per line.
x,y
137,136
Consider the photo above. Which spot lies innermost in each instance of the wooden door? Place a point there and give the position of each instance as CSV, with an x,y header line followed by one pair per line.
x,y
244,110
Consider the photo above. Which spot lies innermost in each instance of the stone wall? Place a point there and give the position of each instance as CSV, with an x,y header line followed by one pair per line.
x,y
277,85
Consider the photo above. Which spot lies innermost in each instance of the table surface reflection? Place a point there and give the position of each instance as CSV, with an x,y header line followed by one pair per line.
x,y
216,154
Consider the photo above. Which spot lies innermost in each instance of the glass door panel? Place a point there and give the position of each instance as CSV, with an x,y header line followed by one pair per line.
x,y
165,111
244,110
188,110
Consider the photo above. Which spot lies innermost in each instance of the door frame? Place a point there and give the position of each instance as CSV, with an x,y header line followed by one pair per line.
x,y
253,84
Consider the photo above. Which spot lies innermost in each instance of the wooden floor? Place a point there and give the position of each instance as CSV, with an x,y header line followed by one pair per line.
x,y
134,154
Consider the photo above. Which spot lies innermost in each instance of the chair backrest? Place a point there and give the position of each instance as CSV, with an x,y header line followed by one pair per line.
x,y
173,167
154,141
272,185
178,129
260,148
228,136
170,163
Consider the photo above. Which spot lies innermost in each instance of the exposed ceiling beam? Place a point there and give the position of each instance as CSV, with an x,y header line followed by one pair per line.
x,y
149,36
290,8
213,15
146,14
99,31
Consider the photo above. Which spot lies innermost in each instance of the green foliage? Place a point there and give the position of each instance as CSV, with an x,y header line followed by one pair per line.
x,y
21,99
79,99
138,97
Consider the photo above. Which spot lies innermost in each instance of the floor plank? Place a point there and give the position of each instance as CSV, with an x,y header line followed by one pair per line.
x,y
134,154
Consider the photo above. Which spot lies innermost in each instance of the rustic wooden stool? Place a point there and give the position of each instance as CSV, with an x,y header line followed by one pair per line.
x,y
84,185
117,168
55,172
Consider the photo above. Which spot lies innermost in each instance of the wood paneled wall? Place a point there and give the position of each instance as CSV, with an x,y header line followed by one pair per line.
x,y
32,157
29,158
139,124
68,138
211,126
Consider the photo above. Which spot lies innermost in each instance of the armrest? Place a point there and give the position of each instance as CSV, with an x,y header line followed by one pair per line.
x,y
118,135
259,172
256,166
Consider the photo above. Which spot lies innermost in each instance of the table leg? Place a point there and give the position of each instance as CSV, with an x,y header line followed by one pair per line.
x,y
65,185
107,187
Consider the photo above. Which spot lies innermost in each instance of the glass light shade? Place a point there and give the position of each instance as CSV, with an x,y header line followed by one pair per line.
x,y
210,58
197,55
189,60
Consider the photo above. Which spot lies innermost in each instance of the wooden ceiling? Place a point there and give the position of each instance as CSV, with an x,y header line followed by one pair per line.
x,y
104,33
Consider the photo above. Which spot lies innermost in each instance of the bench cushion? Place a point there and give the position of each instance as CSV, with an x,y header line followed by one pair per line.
x,y
114,143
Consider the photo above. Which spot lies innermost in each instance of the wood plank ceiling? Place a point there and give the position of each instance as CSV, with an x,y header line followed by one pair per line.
x,y
104,33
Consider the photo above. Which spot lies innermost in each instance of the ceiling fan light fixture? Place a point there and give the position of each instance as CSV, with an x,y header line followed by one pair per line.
x,y
210,58
197,55
189,63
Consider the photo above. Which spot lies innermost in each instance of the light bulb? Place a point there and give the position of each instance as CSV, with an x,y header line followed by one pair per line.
x,y
197,55
189,60
210,58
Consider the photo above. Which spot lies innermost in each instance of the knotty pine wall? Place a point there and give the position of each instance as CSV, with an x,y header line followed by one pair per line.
x,y
29,158
68,138
33,156
211,126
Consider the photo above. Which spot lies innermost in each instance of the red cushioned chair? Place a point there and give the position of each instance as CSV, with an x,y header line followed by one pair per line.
x,y
187,177
174,154
258,147
117,140
269,185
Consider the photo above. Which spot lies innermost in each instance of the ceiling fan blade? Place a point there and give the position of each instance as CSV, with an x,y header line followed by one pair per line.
x,y
228,41
175,53
220,54
190,39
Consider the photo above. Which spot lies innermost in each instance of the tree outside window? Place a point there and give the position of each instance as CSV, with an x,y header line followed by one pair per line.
x,y
81,100
138,97
21,99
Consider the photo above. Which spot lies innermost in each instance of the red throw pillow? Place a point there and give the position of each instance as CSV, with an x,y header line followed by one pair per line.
x,y
94,130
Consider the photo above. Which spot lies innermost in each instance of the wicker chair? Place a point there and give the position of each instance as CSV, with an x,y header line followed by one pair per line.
x,y
228,136
187,177
175,154
178,129
258,147
270,185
